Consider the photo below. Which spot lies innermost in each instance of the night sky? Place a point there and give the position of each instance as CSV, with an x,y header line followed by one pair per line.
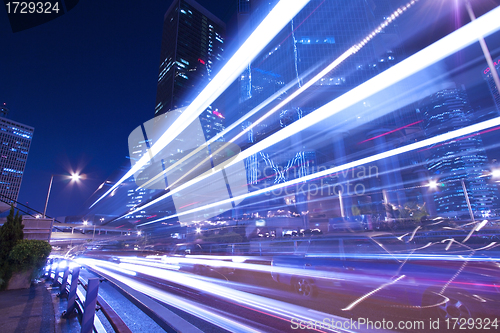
x,y
88,78
84,81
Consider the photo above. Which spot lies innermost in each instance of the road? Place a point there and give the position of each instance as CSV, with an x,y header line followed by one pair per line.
x,y
238,300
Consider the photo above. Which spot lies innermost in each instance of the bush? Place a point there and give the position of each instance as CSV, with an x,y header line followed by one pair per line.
x,y
29,254
10,233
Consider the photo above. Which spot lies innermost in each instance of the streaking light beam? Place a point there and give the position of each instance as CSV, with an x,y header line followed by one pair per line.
x,y
483,26
276,20
354,164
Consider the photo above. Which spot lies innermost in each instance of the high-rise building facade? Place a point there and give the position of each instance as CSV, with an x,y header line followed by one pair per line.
x,y
192,45
458,163
488,76
318,35
15,141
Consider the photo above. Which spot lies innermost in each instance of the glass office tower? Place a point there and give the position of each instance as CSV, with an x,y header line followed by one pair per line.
x,y
16,140
192,47
488,76
461,160
318,35
192,44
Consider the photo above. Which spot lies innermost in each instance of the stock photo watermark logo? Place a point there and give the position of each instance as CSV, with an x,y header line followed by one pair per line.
x,y
197,173
346,182
28,14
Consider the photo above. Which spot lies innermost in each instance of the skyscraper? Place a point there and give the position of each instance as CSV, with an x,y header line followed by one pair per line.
x,y
320,33
16,140
460,160
488,76
192,45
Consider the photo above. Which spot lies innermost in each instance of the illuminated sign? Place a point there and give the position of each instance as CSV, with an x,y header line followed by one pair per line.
x,y
218,114
487,70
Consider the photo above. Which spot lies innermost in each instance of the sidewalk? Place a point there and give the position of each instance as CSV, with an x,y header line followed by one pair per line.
x,y
37,309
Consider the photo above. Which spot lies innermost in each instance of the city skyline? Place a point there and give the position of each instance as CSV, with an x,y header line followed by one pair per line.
x,y
90,96
84,80
402,118
16,140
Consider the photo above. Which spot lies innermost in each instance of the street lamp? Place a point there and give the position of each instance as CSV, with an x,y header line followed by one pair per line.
x,y
467,200
432,184
74,177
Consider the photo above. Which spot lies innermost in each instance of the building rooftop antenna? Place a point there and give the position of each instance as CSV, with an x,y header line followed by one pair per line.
x,y
4,111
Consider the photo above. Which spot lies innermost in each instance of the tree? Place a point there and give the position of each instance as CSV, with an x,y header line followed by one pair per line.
x,y
10,233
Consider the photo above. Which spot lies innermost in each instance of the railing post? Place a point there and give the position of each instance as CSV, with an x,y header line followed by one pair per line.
x,y
90,303
47,271
62,289
50,269
56,276
72,292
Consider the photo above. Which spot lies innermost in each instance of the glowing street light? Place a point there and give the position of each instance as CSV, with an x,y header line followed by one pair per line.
x,y
74,177
495,173
433,184
85,222
139,233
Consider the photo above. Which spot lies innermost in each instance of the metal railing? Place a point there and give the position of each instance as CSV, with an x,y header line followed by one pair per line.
x,y
83,305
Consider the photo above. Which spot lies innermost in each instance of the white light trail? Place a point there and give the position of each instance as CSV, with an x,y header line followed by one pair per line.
x,y
359,300
268,306
274,22
354,49
450,44
109,265
437,139
225,131
191,307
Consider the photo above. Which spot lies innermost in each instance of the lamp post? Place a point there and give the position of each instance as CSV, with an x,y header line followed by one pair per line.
x,y
74,177
467,200
433,185
48,194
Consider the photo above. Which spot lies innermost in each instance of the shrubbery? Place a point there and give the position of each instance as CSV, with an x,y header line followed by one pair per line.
x,y
17,254
29,254
10,233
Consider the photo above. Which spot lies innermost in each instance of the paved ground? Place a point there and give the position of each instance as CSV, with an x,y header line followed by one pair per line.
x,y
34,310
